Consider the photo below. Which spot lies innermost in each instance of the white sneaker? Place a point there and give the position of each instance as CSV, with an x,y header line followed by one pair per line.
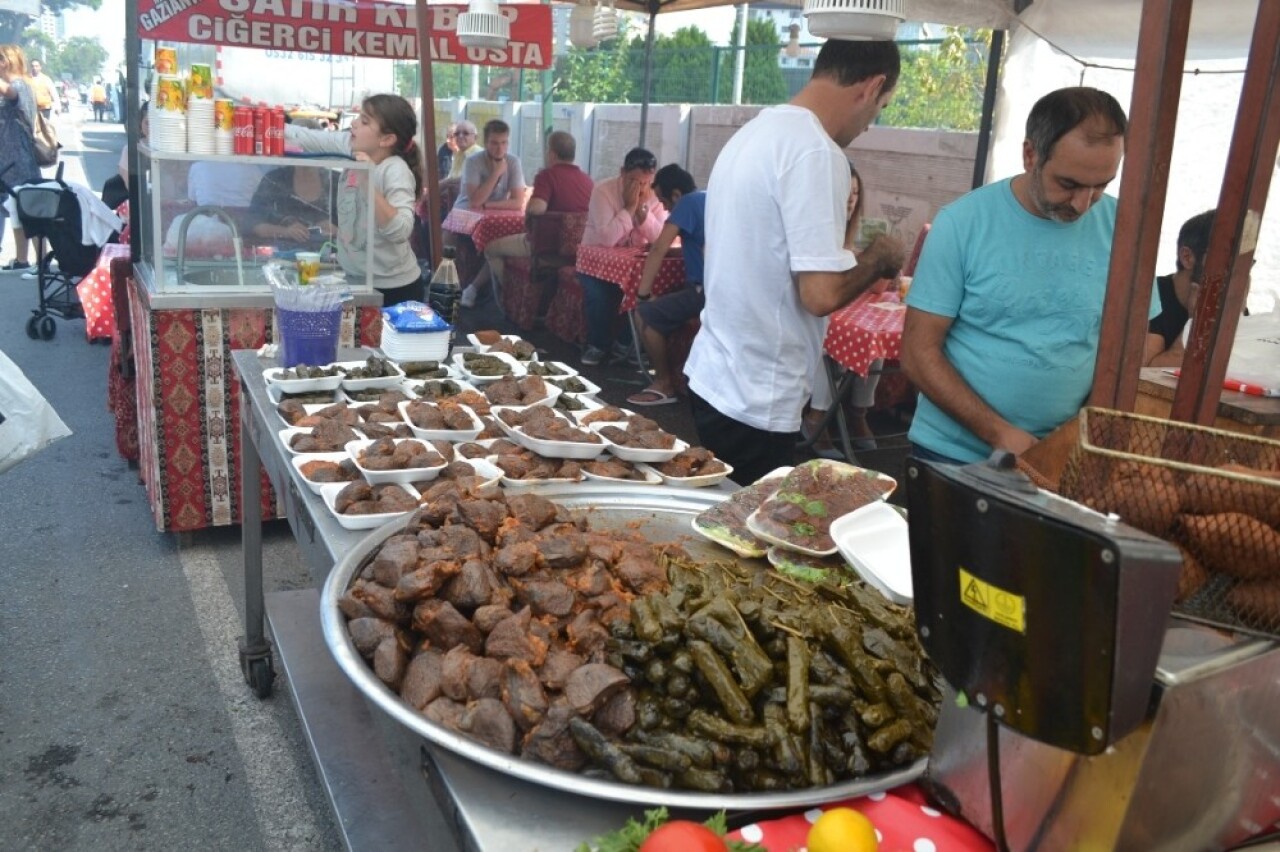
x,y
469,295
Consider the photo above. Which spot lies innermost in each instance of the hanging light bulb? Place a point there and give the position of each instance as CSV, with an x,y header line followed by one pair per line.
x,y
582,21
793,41
482,25
605,25
855,20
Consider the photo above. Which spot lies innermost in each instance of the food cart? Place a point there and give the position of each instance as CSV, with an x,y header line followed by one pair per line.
x,y
376,768
191,299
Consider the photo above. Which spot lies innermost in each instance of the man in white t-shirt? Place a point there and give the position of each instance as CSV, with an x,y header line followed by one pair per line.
x,y
775,263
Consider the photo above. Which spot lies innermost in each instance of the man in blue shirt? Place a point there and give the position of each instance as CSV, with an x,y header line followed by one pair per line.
x,y
1005,307
659,318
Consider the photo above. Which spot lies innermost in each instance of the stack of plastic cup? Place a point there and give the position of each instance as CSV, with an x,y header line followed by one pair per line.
x,y
168,116
224,126
200,122
200,136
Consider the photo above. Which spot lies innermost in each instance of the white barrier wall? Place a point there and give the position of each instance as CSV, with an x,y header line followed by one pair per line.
x,y
572,118
615,129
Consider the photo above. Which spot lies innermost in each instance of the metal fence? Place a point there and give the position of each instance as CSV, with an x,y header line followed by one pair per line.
x,y
941,83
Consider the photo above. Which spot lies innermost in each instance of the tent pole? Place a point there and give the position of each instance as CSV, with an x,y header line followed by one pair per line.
x,y
648,72
740,55
1234,236
994,55
544,127
1153,117
427,143
133,84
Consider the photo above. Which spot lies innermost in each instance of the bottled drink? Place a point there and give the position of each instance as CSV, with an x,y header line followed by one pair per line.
x,y
444,292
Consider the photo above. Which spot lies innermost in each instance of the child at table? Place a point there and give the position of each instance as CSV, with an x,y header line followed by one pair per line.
x,y
383,134
863,392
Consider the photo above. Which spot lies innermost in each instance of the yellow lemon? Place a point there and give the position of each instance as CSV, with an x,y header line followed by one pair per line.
x,y
842,830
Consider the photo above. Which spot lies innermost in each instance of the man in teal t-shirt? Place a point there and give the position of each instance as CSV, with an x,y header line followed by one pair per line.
x,y
1005,307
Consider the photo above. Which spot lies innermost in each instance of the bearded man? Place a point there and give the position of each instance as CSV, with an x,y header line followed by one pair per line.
x,y
1005,308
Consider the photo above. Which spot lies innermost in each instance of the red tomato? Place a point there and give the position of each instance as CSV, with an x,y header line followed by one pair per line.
x,y
683,836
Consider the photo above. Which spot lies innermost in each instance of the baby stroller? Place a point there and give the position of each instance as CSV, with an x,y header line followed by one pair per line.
x,y
50,214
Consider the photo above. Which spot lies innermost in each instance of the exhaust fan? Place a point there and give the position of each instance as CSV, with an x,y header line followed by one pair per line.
x,y
483,26
855,20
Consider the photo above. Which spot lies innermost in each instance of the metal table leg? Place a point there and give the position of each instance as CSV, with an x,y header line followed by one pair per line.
x,y
840,389
255,649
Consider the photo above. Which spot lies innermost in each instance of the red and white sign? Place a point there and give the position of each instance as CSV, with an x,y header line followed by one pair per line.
x,y
361,28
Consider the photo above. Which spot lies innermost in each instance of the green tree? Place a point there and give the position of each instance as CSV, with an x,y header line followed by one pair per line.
x,y
599,75
762,81
79,58
682,66
13,23
941,84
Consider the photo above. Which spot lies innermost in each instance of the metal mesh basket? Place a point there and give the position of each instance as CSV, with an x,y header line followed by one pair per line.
x,y
1215,494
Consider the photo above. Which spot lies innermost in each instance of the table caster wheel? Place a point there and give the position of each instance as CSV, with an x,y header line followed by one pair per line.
x,y
260,677
33,328
47,328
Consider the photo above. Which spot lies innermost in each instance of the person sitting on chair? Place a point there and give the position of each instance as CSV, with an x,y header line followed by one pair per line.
x,y
1177,294
294,205
659,318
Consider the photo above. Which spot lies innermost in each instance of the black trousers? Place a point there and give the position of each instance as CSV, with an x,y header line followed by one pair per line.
x,y
752,452
414,292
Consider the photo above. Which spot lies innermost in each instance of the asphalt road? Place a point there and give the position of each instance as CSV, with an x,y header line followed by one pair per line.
x,y
124,720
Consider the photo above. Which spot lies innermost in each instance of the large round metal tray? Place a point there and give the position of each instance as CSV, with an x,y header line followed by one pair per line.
x,y
663,514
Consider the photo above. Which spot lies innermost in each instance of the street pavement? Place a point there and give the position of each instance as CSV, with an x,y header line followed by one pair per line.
x,y
124,720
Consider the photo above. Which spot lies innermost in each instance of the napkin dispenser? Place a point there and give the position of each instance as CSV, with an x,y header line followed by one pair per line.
x,y
1042,612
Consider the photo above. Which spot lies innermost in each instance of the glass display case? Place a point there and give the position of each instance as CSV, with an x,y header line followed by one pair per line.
x,y
210,223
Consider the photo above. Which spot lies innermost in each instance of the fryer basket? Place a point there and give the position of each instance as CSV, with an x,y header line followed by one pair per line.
x,y
1214,493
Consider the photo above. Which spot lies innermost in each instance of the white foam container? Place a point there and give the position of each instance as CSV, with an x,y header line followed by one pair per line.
x,y
549,449
553,393
389,382
565,370
287,434
401,477
457,435
702,481
873,539
272,377
330,491
303,458
508,482
638,454
517,368
592,388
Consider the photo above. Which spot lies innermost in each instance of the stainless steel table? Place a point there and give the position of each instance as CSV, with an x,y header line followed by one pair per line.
x,y
388,788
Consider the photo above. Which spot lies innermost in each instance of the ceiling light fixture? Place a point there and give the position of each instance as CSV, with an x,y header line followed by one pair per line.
x,y
606,22
482,25
855,20
582,22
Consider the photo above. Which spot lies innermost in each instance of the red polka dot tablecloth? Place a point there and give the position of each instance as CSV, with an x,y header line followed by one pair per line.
x,y
495,226
904,821
624,265
94,291
461,221
865,330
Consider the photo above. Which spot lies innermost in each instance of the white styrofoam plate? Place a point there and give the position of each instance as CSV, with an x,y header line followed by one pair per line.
x,y
591,387
638,454
702,481
517,368
392,381
287,434
553,393
410,387
272,375
460,435
509,482
301,459
565,371
650,477
550,449
873,539
407,475
329,493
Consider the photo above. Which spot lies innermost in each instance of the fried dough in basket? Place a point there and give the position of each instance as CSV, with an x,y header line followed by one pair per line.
x,y
1234,544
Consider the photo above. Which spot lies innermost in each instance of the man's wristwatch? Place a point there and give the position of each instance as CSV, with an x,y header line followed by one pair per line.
x,y
644,297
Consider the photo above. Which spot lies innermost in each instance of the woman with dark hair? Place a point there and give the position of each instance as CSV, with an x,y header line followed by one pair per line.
x,y
292,206
383,134
17,144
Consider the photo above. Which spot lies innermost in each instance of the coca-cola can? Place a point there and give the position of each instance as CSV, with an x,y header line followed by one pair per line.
x,y
277,132
243,130
259,131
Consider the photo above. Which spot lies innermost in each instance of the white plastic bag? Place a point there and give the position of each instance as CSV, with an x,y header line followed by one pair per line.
x,y
29,422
